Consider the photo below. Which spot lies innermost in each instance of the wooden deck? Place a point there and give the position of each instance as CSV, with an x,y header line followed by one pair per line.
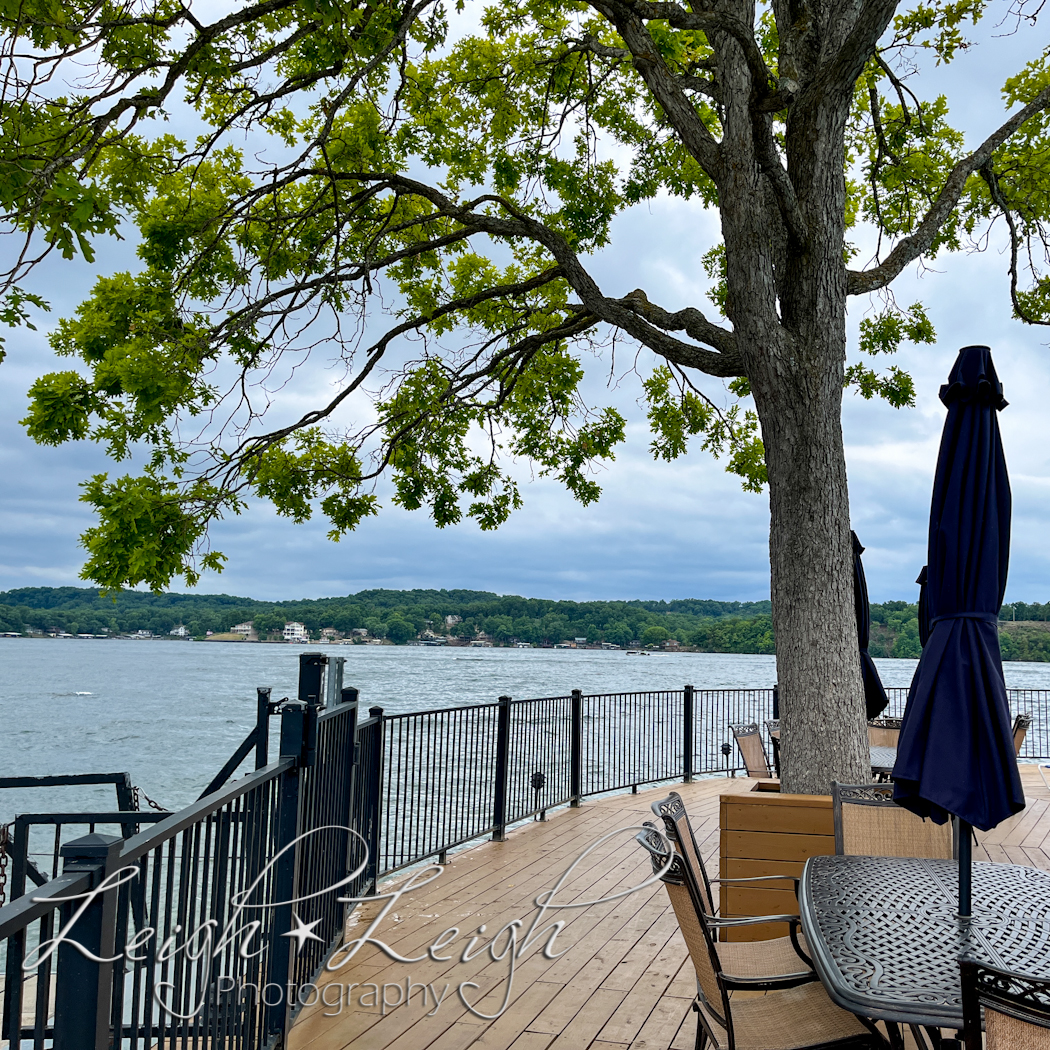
x,y
621,977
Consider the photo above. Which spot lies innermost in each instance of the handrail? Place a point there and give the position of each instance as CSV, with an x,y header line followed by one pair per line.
x,y
144,841
28,908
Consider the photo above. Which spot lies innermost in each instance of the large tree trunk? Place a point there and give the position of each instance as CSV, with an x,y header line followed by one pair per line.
x,y
823,734
787,302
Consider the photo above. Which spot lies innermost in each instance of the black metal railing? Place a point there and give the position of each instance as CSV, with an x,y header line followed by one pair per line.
x,y
347,796
195,909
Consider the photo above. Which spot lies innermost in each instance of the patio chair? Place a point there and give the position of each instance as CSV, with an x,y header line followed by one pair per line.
x,y
773,729
795,1011
778,957
884,732
752,752
1022,723
1016,1008
869,823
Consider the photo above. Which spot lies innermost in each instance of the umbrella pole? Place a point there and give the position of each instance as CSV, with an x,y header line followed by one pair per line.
x,y
965,866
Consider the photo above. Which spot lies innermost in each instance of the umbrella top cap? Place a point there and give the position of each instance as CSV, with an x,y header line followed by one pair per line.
x,y
973,379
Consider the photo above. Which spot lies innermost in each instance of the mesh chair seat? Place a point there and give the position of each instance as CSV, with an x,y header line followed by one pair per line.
x,y
1022,723
752,751
1003,1032
1016,1008
788,1020
869,823
884,732
756,959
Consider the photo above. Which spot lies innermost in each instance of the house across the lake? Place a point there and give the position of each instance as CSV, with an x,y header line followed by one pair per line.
x,y
296,632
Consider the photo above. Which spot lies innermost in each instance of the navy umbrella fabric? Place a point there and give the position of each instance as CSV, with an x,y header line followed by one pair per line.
x,y
955,755
875,698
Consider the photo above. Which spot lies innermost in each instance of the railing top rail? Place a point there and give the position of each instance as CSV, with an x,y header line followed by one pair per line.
x,y
113,816
32,906
440,711
147,840
64,780
336,711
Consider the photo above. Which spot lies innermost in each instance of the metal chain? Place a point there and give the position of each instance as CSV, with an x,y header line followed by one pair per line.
x,y
5,834
139,794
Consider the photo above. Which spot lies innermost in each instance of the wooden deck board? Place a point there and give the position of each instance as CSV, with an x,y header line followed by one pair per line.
x,y
620,978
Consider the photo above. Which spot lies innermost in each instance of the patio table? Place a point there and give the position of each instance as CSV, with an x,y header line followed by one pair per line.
x,y
883,758
885,936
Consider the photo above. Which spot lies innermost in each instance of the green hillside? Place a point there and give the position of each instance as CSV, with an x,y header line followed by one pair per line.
x,y
706,625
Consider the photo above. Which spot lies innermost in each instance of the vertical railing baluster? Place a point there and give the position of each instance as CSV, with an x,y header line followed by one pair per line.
x,y
687,735
374,799
575,750
499,797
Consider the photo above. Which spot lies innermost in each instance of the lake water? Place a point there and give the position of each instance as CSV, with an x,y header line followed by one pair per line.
x,y
171,713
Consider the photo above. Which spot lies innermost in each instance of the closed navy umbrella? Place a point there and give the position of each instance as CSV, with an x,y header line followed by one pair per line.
x,y
875,698
955,755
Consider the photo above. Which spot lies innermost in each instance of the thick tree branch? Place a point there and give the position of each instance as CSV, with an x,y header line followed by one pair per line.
x,y
838,74
715,21
701,86
783,189
911,247
667,91
724,361
694,324
592,44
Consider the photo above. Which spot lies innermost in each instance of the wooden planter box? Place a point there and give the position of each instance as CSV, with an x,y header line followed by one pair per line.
x,y
767,833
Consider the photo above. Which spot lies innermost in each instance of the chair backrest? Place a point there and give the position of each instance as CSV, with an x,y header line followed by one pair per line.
x,y
884,732
685,897
753,753
1016,1008
1022,723
869,823
671,811
773,729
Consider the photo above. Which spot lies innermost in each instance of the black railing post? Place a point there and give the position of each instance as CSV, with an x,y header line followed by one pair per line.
x,y
311,670
349,695
262,726
499,798
687,735
84,987
374,800
293,722
576,750
18,854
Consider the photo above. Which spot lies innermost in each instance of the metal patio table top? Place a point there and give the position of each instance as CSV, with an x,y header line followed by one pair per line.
x,y
883,758
885,936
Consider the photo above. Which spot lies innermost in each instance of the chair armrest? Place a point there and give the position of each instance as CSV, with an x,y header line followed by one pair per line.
x,y
793,932
793,921
758,878
751,920
767,983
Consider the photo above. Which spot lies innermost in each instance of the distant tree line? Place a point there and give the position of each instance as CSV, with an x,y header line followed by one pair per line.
x,y
399,616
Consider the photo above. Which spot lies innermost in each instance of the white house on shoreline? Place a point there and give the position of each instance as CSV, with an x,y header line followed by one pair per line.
x,y
296,632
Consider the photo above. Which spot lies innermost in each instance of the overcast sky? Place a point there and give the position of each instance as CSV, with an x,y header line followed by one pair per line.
x,y
660,530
